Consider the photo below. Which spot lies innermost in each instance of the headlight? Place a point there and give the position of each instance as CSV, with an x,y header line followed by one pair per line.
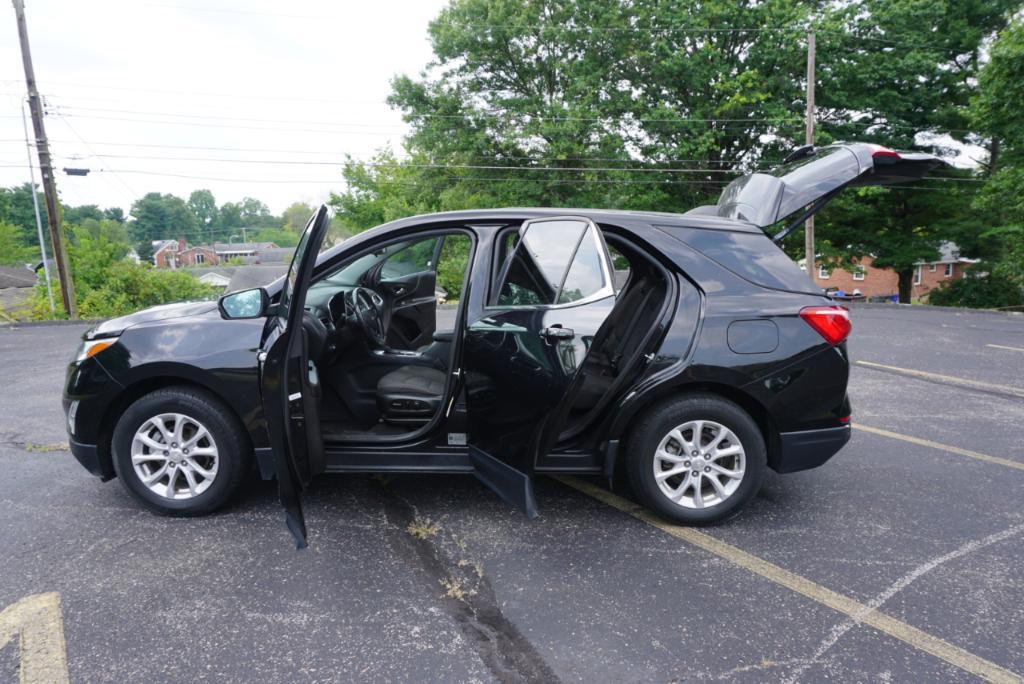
x,y
72,414
91,348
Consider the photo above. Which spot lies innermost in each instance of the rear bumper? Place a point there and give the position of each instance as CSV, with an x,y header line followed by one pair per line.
x,y
809,448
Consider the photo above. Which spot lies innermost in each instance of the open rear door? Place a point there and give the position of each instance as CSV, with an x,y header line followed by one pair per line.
x,y
812,177
524,349
289,383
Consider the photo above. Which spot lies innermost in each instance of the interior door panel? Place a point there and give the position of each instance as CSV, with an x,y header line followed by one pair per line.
x,y
413,307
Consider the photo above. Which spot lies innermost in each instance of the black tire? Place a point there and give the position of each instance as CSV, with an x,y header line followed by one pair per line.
x,y
646,436
234,453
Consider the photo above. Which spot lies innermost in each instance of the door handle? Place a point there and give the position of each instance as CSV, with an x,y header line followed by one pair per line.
x,y
557,332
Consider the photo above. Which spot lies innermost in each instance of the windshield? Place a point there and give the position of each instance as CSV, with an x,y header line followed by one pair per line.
x,y
293,270
349,274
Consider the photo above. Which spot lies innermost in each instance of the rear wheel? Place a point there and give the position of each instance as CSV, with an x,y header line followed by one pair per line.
x,y
697,459
180,451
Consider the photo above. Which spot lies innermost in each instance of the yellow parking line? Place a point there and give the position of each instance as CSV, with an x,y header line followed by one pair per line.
x,y
945,447
954,655
1000,346
964,382
37,621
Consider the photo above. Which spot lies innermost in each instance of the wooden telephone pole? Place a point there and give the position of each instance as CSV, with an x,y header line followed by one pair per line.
x,y
67,287
809,254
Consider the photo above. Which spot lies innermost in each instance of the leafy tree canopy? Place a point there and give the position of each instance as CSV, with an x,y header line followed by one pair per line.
x,y
156,217
296,216
657,104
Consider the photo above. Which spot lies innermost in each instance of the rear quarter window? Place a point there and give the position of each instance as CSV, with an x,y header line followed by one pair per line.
x,y
751,256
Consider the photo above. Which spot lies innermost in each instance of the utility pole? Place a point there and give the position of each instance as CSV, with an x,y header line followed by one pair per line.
x,y
809,254
35,207
67,288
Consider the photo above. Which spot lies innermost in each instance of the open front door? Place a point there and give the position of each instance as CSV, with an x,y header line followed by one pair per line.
x,y
289,382
523,350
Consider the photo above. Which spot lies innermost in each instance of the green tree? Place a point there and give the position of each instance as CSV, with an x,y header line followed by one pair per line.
x,y
255,213
16,208
561,102
13,251
111,231
902,74
76,215
279,236
296,216
230,218
656,104
998,114
204,208
160,217
114,214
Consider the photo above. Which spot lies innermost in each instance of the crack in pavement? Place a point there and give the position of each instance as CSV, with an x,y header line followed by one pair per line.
x,y
498,642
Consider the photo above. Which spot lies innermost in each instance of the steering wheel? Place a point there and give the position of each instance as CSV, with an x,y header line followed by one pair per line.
x,y
371,313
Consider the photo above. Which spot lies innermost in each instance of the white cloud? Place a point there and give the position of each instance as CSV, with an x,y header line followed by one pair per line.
x,y
301,82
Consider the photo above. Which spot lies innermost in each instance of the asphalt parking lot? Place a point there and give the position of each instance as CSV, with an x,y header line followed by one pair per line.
x,y
897,561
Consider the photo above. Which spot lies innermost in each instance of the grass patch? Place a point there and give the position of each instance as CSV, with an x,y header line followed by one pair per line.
x,y
423,529
34,448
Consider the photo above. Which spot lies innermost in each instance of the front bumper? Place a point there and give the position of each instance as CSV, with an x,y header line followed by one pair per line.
x,y
89,384
89,456
808,449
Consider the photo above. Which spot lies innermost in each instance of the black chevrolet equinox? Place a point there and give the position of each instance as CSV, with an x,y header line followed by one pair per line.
x,y
685,353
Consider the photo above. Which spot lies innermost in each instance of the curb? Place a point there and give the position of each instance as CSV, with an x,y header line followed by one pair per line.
x,y
929,307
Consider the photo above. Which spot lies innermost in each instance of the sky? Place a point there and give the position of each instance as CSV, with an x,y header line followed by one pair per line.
x,y
150,95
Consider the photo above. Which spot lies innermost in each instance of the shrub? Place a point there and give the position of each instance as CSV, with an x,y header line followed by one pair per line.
x,y
978,292
108,285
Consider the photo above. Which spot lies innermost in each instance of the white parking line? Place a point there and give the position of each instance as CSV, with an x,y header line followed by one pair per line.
x,y
860,612
944,447
963,382
1000,346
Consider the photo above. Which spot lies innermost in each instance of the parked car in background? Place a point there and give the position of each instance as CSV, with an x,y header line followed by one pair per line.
x,y
707,358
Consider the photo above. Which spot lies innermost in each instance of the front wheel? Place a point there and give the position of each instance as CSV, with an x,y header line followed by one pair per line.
x,y
180,451
697,459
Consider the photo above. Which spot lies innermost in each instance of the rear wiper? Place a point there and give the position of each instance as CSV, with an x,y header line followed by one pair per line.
x,y
811,209
799,153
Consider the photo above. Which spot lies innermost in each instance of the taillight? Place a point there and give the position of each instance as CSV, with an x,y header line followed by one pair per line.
x,y
831,322
879,151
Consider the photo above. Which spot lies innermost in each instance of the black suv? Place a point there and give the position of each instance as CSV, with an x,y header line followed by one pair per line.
x,y
685,351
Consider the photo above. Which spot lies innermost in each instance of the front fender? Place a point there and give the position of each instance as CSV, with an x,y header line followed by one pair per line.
x,y
218,355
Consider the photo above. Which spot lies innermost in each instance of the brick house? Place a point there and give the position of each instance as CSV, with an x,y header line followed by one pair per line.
x,y
165,251
866,279
248,252
197,256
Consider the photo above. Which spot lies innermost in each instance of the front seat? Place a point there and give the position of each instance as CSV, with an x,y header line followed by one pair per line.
x,y
411,394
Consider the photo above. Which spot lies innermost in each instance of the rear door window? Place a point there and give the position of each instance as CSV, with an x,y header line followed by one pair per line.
x,y
557,261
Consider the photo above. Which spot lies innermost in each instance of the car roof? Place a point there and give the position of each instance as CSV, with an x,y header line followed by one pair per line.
x,y
634,221
597,215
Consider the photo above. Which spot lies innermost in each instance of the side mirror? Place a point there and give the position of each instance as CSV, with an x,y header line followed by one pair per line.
x,y
244,304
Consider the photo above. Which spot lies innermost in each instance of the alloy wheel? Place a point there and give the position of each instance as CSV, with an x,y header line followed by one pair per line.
x,y
175,456
699,464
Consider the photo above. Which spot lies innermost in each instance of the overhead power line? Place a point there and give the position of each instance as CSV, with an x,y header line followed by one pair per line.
x,y
479,179
417,165
766,163
467,115
494,113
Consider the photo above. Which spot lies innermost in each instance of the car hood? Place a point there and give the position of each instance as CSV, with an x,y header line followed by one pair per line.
x,y
115,326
